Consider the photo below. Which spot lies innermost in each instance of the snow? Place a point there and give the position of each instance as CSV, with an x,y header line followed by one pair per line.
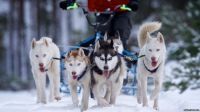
x,y
170,101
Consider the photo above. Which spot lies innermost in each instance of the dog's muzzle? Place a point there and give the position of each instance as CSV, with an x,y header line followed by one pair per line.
x,y
42,69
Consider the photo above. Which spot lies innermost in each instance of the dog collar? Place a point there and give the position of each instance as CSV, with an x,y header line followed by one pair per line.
x,y
151,71
82,74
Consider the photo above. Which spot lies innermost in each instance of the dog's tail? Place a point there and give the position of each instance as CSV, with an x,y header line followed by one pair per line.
x,y
147,28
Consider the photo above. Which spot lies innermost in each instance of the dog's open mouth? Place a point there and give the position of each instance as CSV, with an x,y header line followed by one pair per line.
x,y
74,77
154,63
106,73
42,69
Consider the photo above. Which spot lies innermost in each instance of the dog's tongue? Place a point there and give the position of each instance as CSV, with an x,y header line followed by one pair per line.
x,y
42,69
106,73
74,77
153,63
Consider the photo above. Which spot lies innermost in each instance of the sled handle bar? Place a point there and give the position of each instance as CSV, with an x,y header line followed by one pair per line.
x,y
97,24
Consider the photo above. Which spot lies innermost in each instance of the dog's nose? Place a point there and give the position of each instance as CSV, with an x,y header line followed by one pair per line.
x,y
105,67
41,64
73,73
153,58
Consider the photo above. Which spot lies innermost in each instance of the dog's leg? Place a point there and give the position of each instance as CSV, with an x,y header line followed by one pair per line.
x,y
115,90
85,97
56,80
155,93
158,84
35,76
100,100
155,105
144,90
139,93
42,87
73,90
51,86
108,92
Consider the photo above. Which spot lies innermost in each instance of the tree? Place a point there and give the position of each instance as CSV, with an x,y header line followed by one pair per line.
x,y
186,28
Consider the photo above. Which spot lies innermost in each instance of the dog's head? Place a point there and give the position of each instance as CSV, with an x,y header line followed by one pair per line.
x,y
41,53
117,43
76,62
155,48
105,57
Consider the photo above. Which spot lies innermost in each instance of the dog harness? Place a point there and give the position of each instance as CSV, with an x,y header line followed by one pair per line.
x,y
82,74
151,71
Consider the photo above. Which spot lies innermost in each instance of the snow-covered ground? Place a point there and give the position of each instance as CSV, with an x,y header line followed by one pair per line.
x,y
169,102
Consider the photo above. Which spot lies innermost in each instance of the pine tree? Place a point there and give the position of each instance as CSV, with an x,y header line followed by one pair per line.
x,y
185,25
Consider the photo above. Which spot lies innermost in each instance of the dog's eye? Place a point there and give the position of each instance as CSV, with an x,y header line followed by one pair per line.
x,y
157,49
110,58
44,55
150,50
101,58
70,64
79,64
36,56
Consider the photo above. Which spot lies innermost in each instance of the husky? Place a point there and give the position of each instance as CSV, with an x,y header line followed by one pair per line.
x,y
78,72
41,58
152,65
108,70
117,42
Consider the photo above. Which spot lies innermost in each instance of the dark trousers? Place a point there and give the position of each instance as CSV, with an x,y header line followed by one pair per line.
x,y
121,22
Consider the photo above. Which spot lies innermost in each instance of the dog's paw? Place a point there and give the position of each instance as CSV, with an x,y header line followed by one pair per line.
x,y
156,108
103,103
145,104
58,98
84,108
139,100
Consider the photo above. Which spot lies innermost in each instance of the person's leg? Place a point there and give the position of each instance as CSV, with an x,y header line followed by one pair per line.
x,y
122,24
102,18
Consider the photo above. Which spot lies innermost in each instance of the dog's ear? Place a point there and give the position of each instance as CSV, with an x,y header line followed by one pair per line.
x,y
97,46
160,37
46,42
105,38
81,52
112,44
117,35
33,43
67,55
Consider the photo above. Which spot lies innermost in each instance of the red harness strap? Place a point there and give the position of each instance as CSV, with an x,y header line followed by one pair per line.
x,y
103,5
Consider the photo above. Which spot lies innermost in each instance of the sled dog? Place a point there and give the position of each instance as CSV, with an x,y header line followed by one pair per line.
x,y
78,73
108,70
152,65
41,58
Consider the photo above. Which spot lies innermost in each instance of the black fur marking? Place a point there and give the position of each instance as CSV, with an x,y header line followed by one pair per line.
x,y
82,74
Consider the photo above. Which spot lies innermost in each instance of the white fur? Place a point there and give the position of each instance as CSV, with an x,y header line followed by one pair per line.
x,y
150,47
45,50
78,65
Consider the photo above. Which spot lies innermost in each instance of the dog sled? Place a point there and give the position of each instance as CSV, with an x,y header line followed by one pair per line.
x,y
129,86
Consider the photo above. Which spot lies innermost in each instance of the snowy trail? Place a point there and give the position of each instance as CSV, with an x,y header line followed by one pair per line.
x,y
169,102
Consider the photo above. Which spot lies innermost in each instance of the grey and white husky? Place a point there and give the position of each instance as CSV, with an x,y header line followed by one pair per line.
x,y
78,73
152,65
108,70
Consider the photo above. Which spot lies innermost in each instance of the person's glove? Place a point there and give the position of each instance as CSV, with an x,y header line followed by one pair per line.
x,y
125,8
133,4
66,4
